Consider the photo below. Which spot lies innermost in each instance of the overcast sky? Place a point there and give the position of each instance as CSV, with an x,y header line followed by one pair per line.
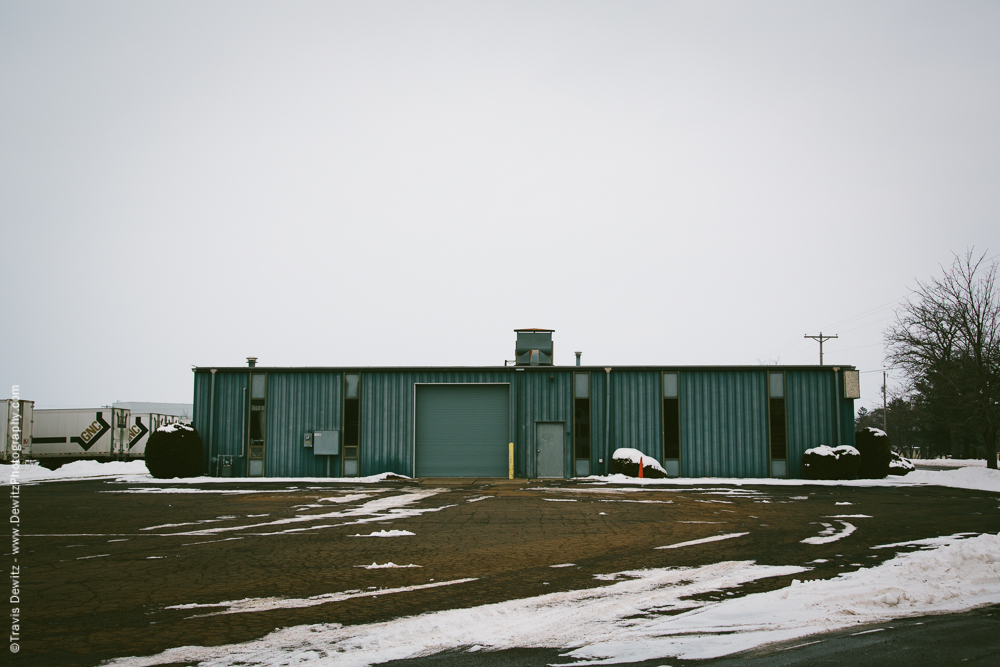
x,y
405,183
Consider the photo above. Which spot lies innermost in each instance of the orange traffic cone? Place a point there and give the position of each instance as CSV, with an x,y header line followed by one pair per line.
x,y
640,467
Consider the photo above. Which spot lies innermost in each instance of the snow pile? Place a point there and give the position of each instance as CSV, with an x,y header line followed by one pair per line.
x,y
900,466
626,461
952,463
980,479
173,428
74,470
619,623
826,462
386,533
390,564
131,469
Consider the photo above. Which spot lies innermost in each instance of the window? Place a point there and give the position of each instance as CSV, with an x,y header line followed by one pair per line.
x,y
258,424
352,424
581,423
776,424
671,424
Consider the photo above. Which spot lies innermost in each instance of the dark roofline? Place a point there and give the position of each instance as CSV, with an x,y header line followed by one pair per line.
x,y
494,369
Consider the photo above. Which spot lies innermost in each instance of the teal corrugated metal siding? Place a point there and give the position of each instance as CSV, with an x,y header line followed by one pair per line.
x,y
636,412
724,430
724,416
300,403
636,415
810,403
541,399
226,436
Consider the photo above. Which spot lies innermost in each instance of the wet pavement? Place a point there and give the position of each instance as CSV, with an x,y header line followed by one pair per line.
x,y
105,565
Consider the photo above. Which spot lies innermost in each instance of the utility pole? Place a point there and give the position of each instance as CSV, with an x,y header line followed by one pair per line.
x,y
885,422
820,338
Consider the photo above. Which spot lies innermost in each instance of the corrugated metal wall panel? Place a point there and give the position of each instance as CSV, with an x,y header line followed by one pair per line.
x,y
543,396
810,404
386,436
228,425
199,418
599,448
636,412
300,403
724,429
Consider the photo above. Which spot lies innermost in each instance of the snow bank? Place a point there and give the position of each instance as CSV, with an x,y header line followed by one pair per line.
x,y
952,463
981,479
136,471
619,622
74,470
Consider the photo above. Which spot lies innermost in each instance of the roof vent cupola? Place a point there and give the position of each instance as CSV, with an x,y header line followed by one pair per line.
x,y
534,347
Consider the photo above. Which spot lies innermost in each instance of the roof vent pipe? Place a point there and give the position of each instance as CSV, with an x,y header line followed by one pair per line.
x,y
578,354
251,361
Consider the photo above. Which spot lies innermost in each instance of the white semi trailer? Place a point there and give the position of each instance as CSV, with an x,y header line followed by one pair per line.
x,y
141,425
61,436
17,418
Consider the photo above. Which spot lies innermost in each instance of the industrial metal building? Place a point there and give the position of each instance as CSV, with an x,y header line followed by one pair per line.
x,y
558,421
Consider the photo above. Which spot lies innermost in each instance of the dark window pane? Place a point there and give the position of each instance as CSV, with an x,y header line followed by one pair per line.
x,y
778,447
581,428
671,429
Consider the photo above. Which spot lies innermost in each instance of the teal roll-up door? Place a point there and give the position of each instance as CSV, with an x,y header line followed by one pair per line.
x,y
462,430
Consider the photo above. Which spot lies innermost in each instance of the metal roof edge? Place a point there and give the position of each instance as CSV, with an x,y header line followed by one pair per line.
x,y
314,369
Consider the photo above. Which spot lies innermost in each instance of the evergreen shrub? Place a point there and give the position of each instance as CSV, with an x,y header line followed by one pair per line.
x,y
174,450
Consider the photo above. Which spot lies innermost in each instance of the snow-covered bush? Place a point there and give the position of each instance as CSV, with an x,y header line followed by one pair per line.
x,y
174,450
900,466
876,453
625,461
826,462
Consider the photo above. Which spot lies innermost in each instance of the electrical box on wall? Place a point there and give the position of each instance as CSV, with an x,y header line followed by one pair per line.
x,y
308,440
326,443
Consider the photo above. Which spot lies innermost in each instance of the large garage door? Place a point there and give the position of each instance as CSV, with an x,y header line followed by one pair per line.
x,y
462,430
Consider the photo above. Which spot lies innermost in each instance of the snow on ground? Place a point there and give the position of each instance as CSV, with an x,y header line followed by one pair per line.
x,y
267,604
950,463
973,475
830,534
75,470
624,621
704,540
136,471
981,478
386,533
390,564
378,509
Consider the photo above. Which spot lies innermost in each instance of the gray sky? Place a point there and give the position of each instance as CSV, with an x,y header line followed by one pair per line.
x,y
404,183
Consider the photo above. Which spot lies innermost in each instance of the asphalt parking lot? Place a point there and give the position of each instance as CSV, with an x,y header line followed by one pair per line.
x,y
112,569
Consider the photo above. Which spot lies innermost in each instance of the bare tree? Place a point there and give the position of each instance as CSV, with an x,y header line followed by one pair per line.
x,y
948,337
